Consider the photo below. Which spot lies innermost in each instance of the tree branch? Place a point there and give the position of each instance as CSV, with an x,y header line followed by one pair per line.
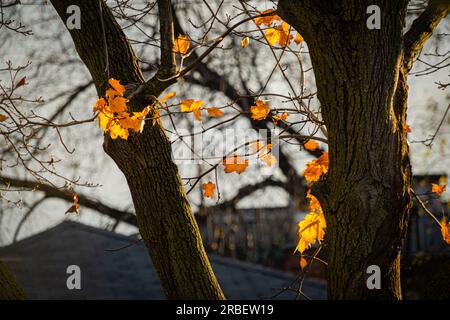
x,y
52,192
422,29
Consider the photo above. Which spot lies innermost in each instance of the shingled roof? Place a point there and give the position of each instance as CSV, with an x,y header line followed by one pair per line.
x,y
114,266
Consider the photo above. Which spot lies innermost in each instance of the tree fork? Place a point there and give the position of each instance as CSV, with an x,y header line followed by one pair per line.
x,y
164,217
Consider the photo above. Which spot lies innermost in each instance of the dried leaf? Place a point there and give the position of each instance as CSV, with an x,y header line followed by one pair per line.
x,y
181,44
260,110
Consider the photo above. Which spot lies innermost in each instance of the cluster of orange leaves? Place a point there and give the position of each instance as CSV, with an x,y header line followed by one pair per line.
x,y
113,115
261,110
439,189
277,33
312,227
195,106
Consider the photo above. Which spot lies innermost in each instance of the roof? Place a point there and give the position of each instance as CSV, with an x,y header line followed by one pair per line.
x,y
114,266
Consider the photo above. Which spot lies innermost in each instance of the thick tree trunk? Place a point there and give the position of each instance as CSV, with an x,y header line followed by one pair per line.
x,y
9,288
362,89
165,219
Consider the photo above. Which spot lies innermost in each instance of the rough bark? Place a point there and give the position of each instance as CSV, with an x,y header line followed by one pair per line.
x,y
362,89
9,288
361,78
164,216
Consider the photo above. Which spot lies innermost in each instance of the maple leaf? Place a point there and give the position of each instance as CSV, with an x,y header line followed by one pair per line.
x,y
285,35
439,190
191,105
235,164
272,36
445,230
118,104
314,204
311,145
316,168
3,117
260,110
267,20
115,84
181,44
99,105
138,120
75,207
245,42
282,117
310,229
214,112
167,97
209,189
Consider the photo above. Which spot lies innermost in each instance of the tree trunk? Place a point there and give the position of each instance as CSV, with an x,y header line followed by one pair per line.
x,y
362,88
165,219
9,288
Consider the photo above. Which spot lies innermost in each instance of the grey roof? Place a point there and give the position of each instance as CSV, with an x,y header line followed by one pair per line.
x,y
40,263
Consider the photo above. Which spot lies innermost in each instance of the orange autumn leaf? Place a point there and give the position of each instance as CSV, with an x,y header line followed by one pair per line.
x,y
445,230
316,168
198,114
181,44
245,42
209,189
3,117
115,84
167,97
311,145
303,263
298,38
75,207
191,105
314,204
282,117
310,229
267,20
406,127
214,112
113,115
260,110
156,116
272,36
235,164
439,190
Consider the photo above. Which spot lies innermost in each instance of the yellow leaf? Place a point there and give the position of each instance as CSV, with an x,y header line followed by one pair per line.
x,y
310,229
3,117
268,159
314,204
235,164
167,97
245,42
191,105
445,230
438,189
181,44
311,145
260,110
115,84
272,36
209,189
214,112
138,120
